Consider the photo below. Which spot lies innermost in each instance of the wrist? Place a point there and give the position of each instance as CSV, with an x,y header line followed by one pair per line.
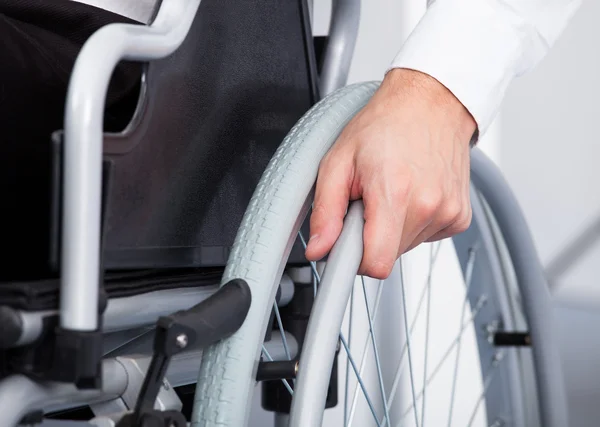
x,y
434,97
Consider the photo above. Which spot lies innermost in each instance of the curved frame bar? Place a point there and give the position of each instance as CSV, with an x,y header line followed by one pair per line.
x,y
343,31
83,148
21,394
341,270
533,286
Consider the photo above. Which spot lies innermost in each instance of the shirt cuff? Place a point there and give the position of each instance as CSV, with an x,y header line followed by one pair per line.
x,y
469,47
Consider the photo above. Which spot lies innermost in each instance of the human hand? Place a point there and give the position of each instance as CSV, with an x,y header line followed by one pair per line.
x,y
406,155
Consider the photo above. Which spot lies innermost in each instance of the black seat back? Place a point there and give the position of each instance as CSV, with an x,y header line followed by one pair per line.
x,y
212,116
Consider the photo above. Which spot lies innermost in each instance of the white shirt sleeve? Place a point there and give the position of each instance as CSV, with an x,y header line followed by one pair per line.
x,y
477,47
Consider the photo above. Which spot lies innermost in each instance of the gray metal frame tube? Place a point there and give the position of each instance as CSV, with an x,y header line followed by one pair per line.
x,y
533,286
343,31
83,148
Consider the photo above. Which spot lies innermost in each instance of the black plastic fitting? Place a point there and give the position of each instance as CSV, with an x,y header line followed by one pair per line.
x,y
512,339
78,358
277,370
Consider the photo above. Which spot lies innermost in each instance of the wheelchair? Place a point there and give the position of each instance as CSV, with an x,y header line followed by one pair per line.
x,y
159,276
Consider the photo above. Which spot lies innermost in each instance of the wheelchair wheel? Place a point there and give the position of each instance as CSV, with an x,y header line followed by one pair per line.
x,y
501,388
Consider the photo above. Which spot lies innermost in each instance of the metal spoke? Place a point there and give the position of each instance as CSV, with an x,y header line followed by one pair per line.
x,y
350,316
412,381
413,324
270,359
400,368
486,384
488,377
359,379
468,280
427,317
478,307
313,266
480,303
283,338
365,353
375,351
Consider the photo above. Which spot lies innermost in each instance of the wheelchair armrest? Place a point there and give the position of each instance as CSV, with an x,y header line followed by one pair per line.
x,y
344,23
83,147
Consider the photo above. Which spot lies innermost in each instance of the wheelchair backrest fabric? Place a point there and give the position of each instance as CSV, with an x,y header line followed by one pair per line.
x,y
138,10
213,115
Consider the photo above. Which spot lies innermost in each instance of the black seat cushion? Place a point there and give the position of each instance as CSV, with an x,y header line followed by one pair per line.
x,y
39,42
43,294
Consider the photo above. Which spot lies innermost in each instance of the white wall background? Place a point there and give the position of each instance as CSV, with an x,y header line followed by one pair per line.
x,y
550,153
550,148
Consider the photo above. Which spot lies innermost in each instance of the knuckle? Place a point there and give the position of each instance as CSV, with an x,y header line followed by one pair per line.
x,y
464,222
452,212
428,202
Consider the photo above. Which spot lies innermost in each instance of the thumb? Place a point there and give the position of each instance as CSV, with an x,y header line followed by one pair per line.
x,y
330,204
